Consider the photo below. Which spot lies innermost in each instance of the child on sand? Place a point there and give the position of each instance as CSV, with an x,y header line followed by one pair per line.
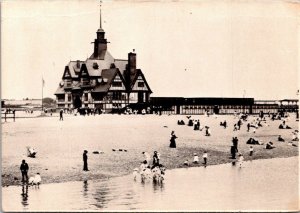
x,y
135,173
241,159
196,158
205,158
251,150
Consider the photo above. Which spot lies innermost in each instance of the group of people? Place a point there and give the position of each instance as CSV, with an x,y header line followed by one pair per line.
x,y
146,172
284,126
196,124
196,159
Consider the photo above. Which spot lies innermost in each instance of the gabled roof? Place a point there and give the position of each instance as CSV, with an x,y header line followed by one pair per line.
x,y
67,73
134,78
74,70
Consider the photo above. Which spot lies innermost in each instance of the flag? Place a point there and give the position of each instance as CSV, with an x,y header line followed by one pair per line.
x,y
43,81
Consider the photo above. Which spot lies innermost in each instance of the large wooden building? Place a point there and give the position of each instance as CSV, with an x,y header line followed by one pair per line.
x,y
102,81
197,106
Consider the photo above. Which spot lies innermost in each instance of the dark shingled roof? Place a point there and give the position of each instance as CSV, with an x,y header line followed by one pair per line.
x,y
102,64
121,64
60,90
102,70
108,74
74,70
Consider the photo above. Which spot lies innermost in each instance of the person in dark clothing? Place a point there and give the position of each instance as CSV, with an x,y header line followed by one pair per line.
x,y
155,160
85,158
248,127
24,169
233,151
270,145
280,138
172,140
235,141
239,124
61,115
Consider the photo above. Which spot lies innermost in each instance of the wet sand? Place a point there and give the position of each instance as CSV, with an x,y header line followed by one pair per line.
x,y
60,144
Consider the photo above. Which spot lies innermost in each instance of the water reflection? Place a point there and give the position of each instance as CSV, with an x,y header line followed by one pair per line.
x,y
255,186
24,199
158,187
102,195
85,188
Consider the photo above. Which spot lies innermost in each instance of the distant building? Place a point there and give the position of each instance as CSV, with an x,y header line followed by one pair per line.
x,y
197,106
102,81
24,103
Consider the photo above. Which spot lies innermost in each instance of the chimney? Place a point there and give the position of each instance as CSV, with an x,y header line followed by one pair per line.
x,y
132,61
78,64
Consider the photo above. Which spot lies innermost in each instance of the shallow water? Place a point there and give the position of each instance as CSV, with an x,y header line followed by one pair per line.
x,y
270,184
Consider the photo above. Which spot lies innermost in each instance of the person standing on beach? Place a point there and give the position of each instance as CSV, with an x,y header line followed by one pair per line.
x,y
146,157
251,150
155,160
233,151
172,140
24,170
196,158
61,115
85,158
235,142
205,158
241,159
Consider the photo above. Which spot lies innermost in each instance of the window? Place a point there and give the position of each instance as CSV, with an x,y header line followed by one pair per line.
x,y
85,96
98,96
69,97
117,84
141,84
60,98
85,82
117,95
68,83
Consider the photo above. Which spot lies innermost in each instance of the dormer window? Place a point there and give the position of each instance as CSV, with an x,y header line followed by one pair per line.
x,y
68,83
141,84
117,84
95,65
85,81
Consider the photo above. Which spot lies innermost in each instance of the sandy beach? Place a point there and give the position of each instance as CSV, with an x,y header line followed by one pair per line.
x,y
60,144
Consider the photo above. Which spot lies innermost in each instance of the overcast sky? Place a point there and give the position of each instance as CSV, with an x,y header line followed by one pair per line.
x,y
191,49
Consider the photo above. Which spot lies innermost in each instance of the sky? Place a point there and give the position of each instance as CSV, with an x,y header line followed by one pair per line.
x,y
204,48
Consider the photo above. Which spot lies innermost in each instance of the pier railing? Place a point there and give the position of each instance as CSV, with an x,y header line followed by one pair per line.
x,y
8,115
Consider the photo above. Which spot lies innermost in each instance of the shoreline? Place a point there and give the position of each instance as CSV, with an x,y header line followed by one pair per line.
x,y
93,177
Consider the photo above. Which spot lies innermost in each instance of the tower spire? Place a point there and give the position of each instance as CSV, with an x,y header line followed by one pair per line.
x,y
100,14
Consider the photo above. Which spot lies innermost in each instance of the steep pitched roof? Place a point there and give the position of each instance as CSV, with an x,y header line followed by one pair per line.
x,y
102,64
60,90
134,78
74,70
121,64
108,74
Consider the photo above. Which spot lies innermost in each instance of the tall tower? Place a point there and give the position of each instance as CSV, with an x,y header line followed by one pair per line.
x,y
100,43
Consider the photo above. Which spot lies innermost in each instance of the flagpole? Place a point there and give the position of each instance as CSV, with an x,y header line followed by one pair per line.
x,y
42,93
